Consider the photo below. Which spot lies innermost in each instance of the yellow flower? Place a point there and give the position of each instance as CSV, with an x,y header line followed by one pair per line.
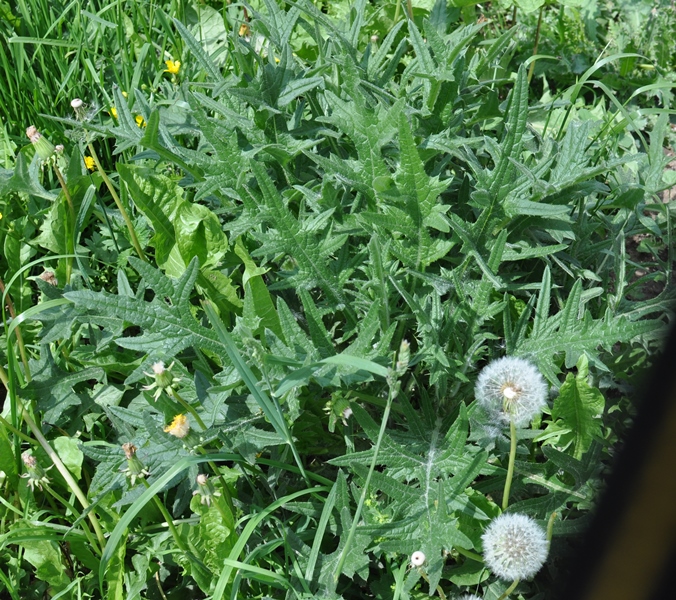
x,y
0,215
243,30
113,111
140,121
89,163
125,94
179,427
172,66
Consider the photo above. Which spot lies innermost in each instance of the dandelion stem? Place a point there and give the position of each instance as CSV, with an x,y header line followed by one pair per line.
x,y
70,231
65,473
355,521
19,337
118,202
510,466
509,590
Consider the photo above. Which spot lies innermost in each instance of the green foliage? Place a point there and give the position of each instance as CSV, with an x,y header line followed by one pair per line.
x,y
343,215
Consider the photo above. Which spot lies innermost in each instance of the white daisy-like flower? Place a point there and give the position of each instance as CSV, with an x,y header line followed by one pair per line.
x,y
511,389
515,546
418,559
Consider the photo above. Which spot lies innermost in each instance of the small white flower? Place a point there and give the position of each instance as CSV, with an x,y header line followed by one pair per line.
x,y
76,103
418,559
469,597
511,389
515,546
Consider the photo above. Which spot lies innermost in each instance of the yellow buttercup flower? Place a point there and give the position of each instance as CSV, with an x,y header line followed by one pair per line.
x,y
179,427
113,111
89,163
140,121
172,66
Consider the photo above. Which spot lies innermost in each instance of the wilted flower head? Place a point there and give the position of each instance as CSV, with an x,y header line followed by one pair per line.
x,y
511,389
49,277
34,472
135,469
43,147
418,559
515,546
179,427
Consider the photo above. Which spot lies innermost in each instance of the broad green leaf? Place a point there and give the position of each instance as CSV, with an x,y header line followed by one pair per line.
x,y
580,406
257,300
70,454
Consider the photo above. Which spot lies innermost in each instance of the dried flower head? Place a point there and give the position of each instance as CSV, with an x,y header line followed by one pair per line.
x,y
135,469
179,427
511,389
515,546
418,559
43,147
49,277
35,474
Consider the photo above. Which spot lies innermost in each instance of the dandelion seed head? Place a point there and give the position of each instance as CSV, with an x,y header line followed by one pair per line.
x,y
469,597
511,388
515,546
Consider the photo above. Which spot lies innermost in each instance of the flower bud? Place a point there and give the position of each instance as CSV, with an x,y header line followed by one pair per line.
x,y
205,489
418,559
49,277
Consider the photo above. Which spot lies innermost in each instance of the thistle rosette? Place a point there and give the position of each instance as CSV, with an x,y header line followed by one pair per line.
x,y
511,389
515,546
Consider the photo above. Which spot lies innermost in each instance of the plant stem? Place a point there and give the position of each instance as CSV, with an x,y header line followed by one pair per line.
x,y
535,46
19,337
118,202
70,231
509,590
510,467
17,432
439,590
409,9
65,473
76,514
362,498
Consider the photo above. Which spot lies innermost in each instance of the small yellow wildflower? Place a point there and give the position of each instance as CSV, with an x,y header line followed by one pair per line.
x,y
140,121
179,427
89,163
243,30
113,111
0,215
125,94
172,66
